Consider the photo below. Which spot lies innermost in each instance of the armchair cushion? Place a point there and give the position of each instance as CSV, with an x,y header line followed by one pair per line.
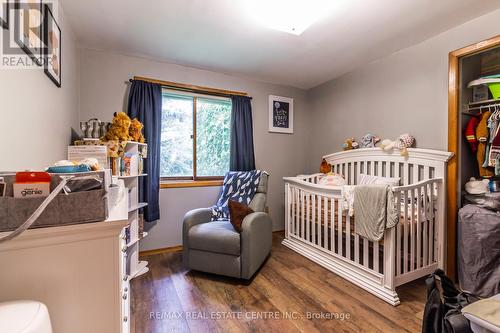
x,y
237,212
217,236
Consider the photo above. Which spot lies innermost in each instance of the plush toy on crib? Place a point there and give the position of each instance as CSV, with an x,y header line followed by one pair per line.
x,y
350,144
325,167
403,142
388,144
332,179
369,141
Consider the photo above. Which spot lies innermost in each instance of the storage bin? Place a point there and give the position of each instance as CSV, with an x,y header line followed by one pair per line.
x,y
493,83
65,209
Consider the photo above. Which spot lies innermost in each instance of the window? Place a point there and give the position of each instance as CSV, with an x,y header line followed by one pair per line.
x,y
195,136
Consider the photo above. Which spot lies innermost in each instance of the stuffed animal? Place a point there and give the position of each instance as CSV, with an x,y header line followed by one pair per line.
x,y
325,167
350,144
388,144
332,179
403,142
369,141
135,131
474,186
119,129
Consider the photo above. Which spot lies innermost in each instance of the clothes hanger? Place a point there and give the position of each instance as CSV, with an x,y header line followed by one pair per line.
x,y
496,114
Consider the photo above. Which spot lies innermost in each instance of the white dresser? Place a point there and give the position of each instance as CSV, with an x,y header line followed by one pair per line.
x,y
78,271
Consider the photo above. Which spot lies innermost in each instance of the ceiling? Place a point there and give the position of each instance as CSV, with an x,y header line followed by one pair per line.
x,y
219,35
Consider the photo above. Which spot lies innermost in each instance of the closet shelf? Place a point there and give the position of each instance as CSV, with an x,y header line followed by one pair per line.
x,y
473,108
484,102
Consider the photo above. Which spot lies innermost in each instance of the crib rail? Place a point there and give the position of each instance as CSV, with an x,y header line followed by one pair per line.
x,y
419,235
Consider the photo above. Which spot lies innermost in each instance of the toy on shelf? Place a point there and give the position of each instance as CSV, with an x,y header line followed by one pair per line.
x,y
135,131
350,144
119,129
124,129
369,141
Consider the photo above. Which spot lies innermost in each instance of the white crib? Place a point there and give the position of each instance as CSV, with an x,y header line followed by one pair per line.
x,y
317,227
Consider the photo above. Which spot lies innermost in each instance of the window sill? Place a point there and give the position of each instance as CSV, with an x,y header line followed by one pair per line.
x,y
189,183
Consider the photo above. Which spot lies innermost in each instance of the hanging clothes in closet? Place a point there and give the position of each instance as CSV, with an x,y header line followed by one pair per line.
x,y
482,134
494,142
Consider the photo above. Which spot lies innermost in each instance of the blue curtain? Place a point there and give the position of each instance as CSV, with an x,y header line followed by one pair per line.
x,y
144,103
242,156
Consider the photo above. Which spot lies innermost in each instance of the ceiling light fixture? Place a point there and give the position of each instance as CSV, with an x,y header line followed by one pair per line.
x,y
291,16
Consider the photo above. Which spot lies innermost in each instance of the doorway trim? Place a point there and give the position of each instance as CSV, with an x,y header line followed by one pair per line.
x,y
453,144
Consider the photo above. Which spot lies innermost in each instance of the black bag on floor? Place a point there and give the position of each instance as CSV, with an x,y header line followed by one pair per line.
x,y
442,313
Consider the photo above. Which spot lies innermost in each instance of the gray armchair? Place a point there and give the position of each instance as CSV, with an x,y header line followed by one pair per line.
x,y
215,247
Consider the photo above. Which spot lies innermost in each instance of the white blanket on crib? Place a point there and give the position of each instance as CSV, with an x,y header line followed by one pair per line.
x,y
375,211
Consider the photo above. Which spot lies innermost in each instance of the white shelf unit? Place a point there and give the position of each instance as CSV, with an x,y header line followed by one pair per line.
x,y
125,207
137,207
133,267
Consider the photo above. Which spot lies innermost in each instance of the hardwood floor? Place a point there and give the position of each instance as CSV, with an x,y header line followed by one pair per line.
x,y
283,296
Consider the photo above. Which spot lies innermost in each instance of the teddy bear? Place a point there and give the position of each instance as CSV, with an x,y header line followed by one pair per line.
x,y
119,129
325,167
350,144
135,131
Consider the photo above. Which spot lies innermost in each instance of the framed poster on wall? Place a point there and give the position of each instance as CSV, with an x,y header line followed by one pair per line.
x,y
4,14
52,38
280,114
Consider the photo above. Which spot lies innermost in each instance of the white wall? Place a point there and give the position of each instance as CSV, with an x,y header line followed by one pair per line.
x,y
104,91
404,92
36,116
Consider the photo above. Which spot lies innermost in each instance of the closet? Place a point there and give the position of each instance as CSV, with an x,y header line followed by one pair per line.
x,y
472,211
475,102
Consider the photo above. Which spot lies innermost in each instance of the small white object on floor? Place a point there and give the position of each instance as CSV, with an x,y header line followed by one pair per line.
x,y
24,317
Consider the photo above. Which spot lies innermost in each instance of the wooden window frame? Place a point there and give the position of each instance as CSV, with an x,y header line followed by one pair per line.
x,y
453,144
195,180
